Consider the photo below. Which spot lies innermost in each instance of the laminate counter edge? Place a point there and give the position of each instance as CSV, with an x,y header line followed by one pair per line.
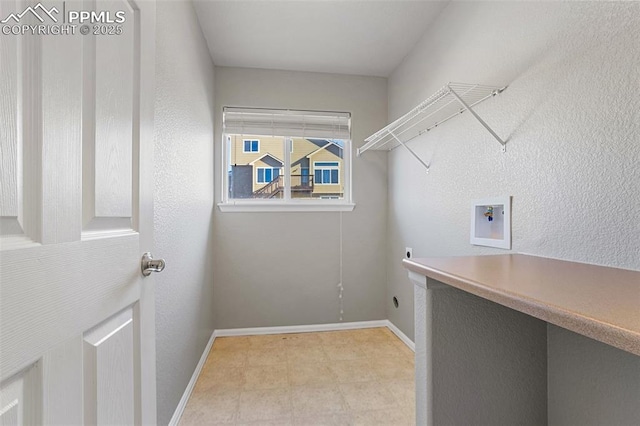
x,y
599,302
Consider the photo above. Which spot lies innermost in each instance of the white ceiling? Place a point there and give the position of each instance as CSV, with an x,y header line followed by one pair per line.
x,y
344,36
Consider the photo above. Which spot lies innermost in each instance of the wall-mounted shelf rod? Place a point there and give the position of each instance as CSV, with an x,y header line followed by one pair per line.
x,y
411,151
451,100
486,126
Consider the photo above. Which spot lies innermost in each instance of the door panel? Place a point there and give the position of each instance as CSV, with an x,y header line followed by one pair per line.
x,y
57,88
109,71
109,352
19,399
76,316
63,292
63,387
20,159
10,136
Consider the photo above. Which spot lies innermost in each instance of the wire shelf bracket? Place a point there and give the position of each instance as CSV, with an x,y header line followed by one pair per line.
x,y
451,100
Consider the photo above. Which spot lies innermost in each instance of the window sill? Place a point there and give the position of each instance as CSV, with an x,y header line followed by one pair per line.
x,y
255,207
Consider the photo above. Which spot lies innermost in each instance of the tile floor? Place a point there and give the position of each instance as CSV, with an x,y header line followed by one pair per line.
x,y
351,377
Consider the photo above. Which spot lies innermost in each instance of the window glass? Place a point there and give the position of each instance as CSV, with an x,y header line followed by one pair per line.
x,y
288,167
252,172
251,146
312,175
267,175
327,173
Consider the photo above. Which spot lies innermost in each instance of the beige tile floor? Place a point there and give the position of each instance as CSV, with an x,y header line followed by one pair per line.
x,y
351,377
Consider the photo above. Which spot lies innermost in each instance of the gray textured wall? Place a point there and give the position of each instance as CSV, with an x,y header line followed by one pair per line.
x,y
489,363
571,117
591,383
571,114
183,200
276,269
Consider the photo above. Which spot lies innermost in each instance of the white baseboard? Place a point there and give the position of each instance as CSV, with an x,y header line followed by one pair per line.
x,y
175,419
300,328
391,326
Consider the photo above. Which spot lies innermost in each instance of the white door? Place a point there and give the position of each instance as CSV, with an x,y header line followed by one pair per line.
x,y
76,214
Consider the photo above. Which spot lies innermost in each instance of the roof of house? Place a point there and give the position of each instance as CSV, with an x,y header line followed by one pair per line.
x,y
327,144
269,159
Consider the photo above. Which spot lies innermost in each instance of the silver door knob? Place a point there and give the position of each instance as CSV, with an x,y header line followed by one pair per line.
x,y
149,264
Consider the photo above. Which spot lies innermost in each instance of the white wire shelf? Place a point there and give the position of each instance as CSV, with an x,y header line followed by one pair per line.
x,y
451,100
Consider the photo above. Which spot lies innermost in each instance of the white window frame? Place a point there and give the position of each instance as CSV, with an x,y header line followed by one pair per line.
x,y
287,203
250,140
326,168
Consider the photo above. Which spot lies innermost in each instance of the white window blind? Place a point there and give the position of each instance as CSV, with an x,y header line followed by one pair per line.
x,y
278,122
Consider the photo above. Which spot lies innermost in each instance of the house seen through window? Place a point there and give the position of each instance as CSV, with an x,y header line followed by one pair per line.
x,y
286,156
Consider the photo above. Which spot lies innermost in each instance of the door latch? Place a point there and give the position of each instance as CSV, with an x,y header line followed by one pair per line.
x,y
149,264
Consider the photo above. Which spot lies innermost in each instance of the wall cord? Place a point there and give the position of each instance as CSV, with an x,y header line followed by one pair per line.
x,y
340,285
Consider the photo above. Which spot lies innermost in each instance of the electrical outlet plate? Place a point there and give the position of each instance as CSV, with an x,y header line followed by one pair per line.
x,y
408,252
495,232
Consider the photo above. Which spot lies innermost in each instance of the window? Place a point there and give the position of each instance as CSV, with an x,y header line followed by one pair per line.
x,y
251,145
267,175
326,173
286,160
